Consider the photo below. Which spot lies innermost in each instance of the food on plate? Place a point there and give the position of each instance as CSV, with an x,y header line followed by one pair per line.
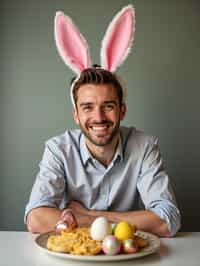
x,y
100,237
100,228
113,226
67,222
77,241
141,242
124,230
130,245
111,245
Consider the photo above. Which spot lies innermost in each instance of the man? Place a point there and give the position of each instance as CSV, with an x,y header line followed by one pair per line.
x,y
102,169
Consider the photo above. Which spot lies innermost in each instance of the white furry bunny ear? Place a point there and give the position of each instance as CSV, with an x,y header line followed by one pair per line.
x,y
118,39
71,45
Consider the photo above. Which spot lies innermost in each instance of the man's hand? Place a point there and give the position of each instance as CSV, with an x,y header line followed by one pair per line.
x,y
67,221
82,215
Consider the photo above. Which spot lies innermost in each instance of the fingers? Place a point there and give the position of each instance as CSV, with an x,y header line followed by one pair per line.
x,y
68,216
67,222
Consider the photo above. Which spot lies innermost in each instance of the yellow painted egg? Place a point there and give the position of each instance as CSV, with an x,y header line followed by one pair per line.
x,y
124,230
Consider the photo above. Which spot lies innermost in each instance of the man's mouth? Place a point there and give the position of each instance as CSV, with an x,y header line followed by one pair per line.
x,y
101,129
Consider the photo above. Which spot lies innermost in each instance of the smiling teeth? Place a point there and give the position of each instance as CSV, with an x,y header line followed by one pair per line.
x,y
99,128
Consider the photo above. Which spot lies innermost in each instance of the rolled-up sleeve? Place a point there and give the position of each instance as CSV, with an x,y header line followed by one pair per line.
x,y
48,189
155,188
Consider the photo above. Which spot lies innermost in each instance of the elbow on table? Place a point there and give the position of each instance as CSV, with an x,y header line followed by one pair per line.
x,y
31,228
164,231
168,226
34,224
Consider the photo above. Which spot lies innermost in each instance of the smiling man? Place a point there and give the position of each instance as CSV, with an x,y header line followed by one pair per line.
x,y
98,113
102,169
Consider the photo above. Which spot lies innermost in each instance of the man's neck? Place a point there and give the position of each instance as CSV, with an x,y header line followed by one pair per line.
x,y
104,154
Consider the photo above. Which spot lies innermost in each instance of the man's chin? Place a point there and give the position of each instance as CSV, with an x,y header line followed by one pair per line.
x,y
99,141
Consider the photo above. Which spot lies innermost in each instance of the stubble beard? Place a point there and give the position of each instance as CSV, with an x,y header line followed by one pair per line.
x,y
106,141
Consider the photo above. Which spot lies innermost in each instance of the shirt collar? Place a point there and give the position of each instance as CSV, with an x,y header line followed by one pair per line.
x,y
119,151
86,155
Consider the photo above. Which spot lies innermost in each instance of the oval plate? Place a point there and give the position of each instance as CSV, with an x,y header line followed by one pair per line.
x,y
154,245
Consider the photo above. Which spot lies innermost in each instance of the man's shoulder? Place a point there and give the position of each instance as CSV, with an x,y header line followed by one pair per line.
x,y
69,138
132,136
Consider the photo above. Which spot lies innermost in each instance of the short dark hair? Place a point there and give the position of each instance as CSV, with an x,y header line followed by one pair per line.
x,y
97,75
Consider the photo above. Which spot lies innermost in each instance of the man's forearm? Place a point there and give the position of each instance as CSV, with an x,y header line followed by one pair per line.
x,y
42,219
144,220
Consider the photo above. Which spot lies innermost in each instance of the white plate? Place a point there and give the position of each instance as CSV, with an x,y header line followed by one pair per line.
x,y
154,245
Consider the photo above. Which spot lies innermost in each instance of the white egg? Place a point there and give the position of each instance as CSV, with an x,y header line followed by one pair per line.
x,y
100,228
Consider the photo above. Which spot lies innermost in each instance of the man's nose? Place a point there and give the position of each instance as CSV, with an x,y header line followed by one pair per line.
x,y
99,114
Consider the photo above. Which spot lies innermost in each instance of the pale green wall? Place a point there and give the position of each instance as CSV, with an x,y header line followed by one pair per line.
x,y
161,73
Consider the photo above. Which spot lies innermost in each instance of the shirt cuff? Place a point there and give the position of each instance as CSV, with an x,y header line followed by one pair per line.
x,y
171,216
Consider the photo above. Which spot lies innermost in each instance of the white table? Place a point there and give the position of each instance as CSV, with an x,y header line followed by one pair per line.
x,y
18,248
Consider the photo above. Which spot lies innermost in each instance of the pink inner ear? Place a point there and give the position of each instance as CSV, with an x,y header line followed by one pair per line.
x,y
119,40
72,46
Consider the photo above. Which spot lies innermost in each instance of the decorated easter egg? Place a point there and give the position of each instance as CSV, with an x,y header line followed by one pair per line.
x,y
67,222
111,245
61,226
100,228
124,230
129,246
113,226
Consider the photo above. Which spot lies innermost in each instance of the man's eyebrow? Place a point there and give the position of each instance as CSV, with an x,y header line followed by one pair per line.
x,y
86,103
105,102
108,102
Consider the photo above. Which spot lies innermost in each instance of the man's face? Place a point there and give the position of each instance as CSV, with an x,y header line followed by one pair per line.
x,y
98,113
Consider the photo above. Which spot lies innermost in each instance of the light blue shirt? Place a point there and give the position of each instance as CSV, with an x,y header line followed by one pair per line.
x,y
134,180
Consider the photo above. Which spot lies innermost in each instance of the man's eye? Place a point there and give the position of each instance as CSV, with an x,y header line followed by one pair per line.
x,y
109,107
87,108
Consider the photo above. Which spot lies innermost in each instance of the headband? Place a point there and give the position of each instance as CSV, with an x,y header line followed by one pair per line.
x,y
116,44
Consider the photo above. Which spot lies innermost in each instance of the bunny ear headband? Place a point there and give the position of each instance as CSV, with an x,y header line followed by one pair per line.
x,y
116,44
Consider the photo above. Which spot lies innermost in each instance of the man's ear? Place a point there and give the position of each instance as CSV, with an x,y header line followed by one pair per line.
x,y
75,116
123,111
